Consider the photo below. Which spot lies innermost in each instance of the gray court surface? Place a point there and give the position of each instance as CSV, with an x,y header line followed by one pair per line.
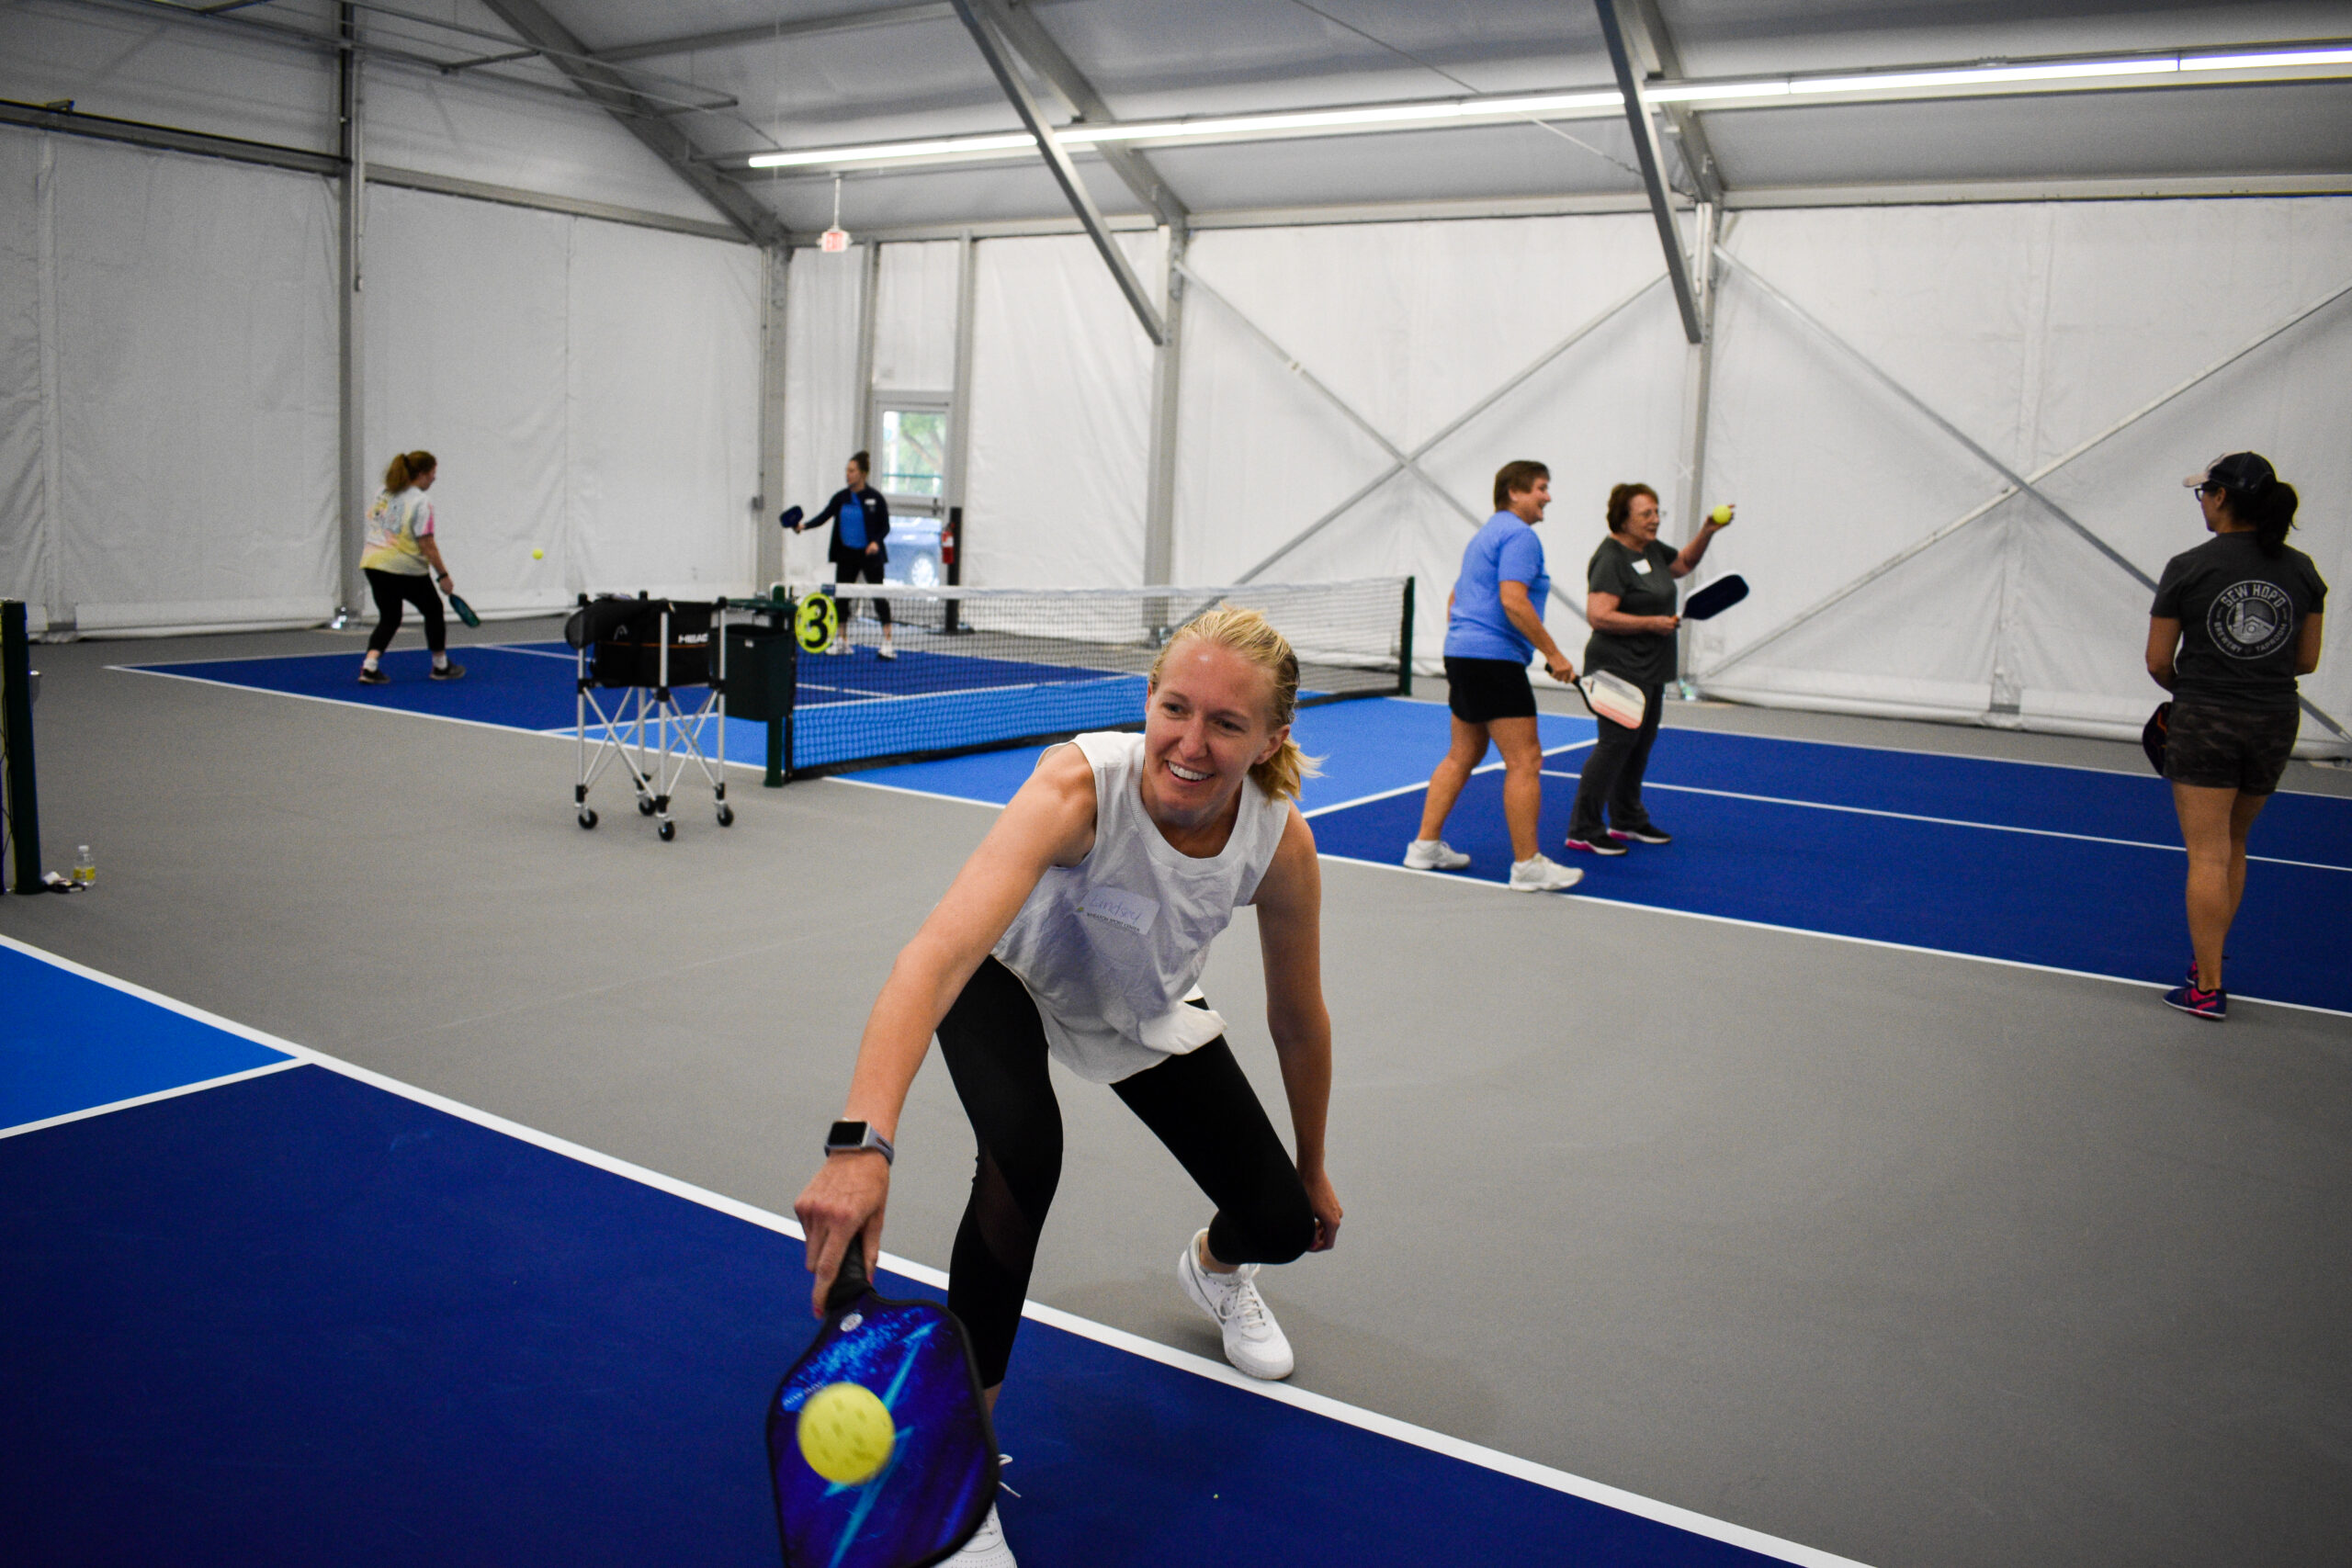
x,y
1912,1258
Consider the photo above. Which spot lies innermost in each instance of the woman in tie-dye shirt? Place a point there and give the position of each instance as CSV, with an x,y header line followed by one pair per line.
x,y
404,565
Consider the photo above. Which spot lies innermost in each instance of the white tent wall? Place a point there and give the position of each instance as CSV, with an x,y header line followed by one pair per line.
x,y
1061,415
467,356
184,392
822,394
2032,328
663,405
1411,326
914,318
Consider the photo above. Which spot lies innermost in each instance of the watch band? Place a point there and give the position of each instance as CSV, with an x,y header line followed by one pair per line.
x,y
849,1137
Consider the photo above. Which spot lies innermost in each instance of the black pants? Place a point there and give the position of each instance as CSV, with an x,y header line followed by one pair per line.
x,y
1199,1104
1612,774
868,568
392,589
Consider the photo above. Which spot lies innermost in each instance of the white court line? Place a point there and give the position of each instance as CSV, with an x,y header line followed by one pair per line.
x,y
572,659
1424,784
308,697
1460,880
1069,1323
113,1105
1953,821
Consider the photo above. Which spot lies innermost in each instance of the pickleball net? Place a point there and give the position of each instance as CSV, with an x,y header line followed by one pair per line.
x,y
980,669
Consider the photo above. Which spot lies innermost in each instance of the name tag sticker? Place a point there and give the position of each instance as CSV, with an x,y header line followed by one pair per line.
x,y
1642,568
1132,911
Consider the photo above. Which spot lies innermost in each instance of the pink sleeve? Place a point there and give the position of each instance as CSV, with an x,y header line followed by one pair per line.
x,y
424,518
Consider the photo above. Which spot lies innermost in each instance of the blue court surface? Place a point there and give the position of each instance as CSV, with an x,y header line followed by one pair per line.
x,y
2067,868
306,1314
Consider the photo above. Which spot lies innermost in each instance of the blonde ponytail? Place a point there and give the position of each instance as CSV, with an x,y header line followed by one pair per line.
x,y
1250,634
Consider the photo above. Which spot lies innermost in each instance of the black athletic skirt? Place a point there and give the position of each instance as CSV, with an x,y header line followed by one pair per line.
x,y
1480,691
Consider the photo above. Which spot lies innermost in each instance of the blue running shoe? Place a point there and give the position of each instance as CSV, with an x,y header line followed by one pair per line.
x,y
2213,1004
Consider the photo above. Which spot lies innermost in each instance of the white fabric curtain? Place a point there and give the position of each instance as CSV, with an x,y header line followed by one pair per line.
x,y
591,390
822,394
1061,416
914,318
2033,328
1411,324
188,351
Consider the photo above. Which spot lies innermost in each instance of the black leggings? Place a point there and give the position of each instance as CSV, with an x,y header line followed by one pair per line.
x,y
1199,1104
393,589
1612,772
870,569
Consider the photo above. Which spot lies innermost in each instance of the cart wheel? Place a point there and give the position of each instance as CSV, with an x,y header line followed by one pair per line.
x,y
587,818
726,815
668,831
644,806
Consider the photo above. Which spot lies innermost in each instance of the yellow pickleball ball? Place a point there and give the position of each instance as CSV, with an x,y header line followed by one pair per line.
x,y
1721,514
538,555
845,1434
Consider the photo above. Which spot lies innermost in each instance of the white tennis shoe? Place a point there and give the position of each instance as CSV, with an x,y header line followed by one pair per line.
x,y
986,1549
1433,855
1540,874
1254,1340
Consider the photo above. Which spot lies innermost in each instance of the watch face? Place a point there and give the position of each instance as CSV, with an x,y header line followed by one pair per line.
x,y
845,1136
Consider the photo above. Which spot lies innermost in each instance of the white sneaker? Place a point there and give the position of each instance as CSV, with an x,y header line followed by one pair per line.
x,y
1254,1340
1538,874
986,1549
886,652
1434,854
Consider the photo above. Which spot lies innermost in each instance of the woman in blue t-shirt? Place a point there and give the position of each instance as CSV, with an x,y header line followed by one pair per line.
x,y
1494,621
861,521
2234,622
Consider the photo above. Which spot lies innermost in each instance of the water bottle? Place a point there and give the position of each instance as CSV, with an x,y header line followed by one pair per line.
x,y
85,867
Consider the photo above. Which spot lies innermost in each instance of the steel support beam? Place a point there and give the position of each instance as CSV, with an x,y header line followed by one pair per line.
x,y
1697,393
776,274
353,491
869,286
959,403
1167,375
2016,483
1645,129
1017,20
775,32
1645,31
610,90
1065,172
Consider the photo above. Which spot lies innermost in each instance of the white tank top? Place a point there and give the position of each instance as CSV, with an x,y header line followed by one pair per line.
x,y
1111,947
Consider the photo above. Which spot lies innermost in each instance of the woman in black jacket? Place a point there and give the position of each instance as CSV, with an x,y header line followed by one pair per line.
x,y
861,521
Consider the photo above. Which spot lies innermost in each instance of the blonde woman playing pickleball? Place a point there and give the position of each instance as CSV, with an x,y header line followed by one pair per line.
x,y
1076,932
1630,600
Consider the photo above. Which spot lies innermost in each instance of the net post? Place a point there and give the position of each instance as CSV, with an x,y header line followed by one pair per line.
x,y
17,740
955,538
1405,646
775,777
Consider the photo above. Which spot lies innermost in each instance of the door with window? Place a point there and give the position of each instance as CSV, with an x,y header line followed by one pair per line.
x,y
910,470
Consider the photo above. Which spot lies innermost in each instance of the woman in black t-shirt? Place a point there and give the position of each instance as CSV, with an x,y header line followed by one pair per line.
x,y
1630,600
2234,622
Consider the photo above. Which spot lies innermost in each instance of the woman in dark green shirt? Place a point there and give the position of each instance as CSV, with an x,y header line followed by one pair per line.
x,y
1630,599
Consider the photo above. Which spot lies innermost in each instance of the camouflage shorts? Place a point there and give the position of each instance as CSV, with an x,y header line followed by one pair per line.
x,y
2241,749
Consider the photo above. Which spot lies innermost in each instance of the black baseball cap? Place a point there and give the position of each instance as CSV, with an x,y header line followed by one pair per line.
x,y
2238,473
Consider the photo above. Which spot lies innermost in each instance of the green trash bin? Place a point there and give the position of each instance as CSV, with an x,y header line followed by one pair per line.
x,y
759,670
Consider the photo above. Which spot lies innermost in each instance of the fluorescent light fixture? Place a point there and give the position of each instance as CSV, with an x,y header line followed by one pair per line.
x,y
939,147
1592,105
2263,61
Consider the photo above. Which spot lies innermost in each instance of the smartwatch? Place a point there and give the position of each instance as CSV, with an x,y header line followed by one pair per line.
x,y
848,1137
